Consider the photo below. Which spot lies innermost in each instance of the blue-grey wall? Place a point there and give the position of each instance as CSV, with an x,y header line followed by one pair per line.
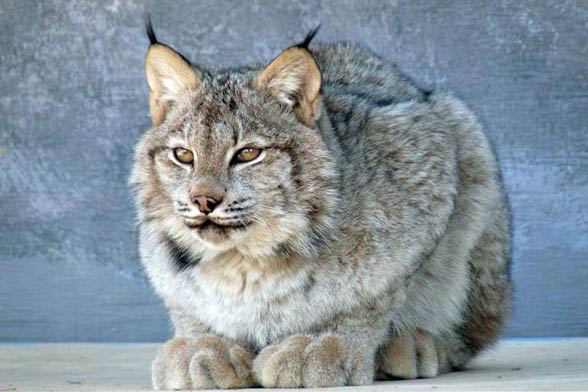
x,y
73,101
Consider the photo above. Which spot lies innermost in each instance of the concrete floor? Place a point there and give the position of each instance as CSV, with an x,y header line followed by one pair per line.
x,y
521,365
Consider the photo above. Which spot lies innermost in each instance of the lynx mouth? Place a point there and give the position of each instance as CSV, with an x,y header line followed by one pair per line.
x,y
211,230
205,223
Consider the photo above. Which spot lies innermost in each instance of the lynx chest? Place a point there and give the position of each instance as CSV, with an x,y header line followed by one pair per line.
x,y
244,300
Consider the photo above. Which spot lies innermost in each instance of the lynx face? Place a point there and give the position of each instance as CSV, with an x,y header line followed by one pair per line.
x,y
233,160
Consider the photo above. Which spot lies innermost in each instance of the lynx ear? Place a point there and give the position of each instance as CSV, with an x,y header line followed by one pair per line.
x,y
294,79
169,75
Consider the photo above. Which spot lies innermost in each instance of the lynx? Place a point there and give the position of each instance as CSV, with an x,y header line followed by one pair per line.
x,y
319,221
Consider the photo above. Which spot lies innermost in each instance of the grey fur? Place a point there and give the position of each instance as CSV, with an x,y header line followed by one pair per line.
x,y
374,242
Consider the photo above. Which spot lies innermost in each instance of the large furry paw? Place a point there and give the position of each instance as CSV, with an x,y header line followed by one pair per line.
x,y
304,361
205,362
411,355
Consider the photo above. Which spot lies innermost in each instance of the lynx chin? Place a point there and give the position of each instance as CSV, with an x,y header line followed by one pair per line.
x,y
318,221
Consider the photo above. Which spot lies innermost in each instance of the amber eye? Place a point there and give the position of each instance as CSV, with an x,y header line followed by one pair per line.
x,y
183,155
247,155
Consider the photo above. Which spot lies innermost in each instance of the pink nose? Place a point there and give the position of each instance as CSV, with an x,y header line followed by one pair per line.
x,y
206,204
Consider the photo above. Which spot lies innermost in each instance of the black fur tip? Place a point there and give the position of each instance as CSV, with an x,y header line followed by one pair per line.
x,y
149,30
304,44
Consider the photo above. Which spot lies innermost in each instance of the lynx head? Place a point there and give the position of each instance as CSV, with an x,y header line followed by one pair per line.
x,y
234,159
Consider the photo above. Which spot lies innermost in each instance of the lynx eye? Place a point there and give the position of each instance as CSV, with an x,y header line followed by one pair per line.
x,y
183,155
247,155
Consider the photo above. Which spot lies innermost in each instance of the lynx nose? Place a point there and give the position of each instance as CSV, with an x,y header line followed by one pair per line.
x,y
206,204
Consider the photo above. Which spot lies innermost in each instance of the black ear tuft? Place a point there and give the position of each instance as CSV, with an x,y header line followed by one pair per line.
x,y
304,44
149,30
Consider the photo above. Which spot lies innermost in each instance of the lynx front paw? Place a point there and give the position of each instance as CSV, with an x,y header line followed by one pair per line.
x,y
303,361
411,355
205,362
